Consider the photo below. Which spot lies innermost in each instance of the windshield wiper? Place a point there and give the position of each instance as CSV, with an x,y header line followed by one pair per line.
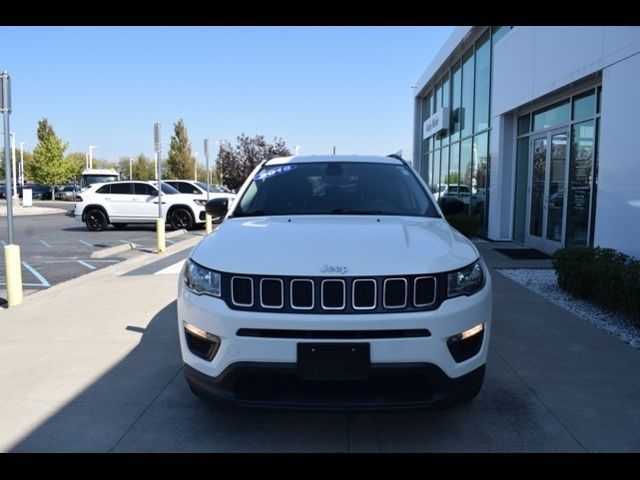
x,y
250,213
347,211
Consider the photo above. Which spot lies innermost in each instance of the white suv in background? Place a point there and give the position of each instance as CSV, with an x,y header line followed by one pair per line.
x,y
121,203
334,282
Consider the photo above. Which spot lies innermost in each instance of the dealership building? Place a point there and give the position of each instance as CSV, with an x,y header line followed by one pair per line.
x,y
536,129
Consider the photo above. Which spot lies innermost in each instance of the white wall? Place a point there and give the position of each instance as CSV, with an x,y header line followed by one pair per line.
x,y
618,197
532,61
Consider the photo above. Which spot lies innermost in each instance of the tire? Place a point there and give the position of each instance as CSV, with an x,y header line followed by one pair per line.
x,y
96,220
181,218
119,226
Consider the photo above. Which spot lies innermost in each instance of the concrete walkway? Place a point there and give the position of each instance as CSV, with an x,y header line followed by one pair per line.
x,y
94,365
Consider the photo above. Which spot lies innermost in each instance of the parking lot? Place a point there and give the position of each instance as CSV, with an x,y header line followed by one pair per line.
x,y
56,247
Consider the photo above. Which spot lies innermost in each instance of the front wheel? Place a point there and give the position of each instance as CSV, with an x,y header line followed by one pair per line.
x,y
96,220
181,218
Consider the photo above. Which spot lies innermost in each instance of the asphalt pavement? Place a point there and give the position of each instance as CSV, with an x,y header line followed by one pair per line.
x,y
55,248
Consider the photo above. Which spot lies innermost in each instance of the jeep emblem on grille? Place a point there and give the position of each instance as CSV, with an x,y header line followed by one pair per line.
x,y
334,269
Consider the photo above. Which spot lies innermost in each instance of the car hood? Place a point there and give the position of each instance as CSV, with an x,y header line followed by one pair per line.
x,y
305,245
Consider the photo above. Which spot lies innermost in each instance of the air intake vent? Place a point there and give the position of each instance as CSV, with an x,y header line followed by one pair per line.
x,y
424,291
333,294
242,291
271,293
302,294
364,294
395,293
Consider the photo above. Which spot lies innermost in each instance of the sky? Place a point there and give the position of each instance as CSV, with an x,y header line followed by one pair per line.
x,y
316,87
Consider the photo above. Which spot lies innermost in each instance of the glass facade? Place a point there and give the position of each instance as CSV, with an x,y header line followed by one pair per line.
x,y
561,206
459,155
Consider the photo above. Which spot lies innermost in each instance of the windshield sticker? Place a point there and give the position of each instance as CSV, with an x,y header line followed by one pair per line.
x,y
274,172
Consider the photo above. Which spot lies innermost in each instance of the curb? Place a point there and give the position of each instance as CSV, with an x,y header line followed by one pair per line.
x,y
106,252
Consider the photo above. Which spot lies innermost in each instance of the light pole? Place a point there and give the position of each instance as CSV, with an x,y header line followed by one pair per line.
x,y
160,220
13,165
91,147
130,168
207,217
12,264
86,160
22,163
195,158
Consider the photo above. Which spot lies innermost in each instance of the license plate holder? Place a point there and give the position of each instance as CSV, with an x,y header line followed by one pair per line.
x,y
334,361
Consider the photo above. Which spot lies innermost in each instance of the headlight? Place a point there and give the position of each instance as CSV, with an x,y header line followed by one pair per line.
x,y
200,202
201,280
466,281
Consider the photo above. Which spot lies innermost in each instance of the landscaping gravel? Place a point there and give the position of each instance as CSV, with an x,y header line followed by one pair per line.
x,y
543,282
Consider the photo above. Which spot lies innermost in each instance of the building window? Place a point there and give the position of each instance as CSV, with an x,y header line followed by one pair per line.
x,y
454,167
584,105
580,181
479,190
524,124
465,165
483,73
444,168
456,88
468,61
498,33
446,87
551,116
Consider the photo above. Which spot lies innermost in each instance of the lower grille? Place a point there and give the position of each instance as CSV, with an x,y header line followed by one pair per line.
x,y
332,334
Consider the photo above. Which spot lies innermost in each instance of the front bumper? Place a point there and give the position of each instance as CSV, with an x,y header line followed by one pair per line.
x,y
421,370
392,386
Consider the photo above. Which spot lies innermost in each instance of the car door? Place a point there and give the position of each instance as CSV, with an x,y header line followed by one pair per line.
x,y
119,202
146,200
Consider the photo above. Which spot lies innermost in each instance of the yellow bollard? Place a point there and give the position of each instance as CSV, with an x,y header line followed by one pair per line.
x,y
207,223
13,269
160,235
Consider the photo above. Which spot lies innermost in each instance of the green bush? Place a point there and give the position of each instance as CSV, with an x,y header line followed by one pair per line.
x,y
602,275
463,223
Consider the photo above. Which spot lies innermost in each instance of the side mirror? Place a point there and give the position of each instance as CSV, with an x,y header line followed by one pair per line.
x,y
217,207
451,206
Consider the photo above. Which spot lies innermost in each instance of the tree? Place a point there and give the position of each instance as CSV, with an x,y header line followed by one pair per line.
x,y
78,159
143,168
236,163
49,165
180,163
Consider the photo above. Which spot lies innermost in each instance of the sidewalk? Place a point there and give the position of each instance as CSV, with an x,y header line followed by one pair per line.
x,y
94,365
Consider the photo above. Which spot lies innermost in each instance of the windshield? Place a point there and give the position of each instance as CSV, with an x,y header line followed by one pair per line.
x,y
336,188
88,180
213,188
168,189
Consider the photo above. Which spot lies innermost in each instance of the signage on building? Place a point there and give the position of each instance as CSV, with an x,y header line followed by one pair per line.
x,y
436,123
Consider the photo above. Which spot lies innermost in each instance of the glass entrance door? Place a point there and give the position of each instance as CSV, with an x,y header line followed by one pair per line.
x,y
547,191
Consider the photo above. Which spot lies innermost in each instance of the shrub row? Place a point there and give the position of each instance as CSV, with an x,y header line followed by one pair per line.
x,y
603,276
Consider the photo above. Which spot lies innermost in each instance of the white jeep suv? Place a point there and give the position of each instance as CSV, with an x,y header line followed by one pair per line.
x,y
121,203
191,187
334,282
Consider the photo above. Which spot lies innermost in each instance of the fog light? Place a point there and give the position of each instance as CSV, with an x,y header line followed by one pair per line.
x,y
466,344
200,342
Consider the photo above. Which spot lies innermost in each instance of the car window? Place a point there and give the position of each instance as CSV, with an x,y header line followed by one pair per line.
x,y
168,189
121,189
144,189
105,189
184,187
335,188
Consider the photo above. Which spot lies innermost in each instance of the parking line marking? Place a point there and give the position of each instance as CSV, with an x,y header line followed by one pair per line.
x,y
175,268
27,284
90,267
43,280
86,243
45,244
